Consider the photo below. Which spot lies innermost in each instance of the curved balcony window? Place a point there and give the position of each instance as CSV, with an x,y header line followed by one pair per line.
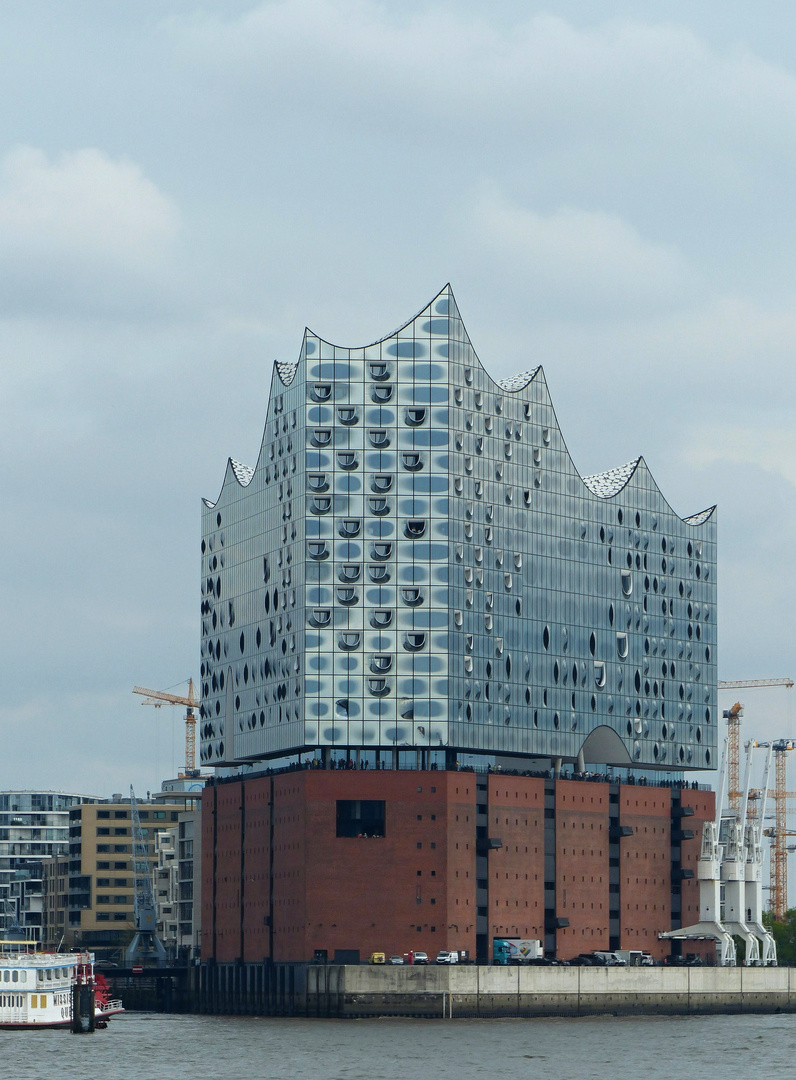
x,y
381,394
348,639
627,582
380,664
318,549
407,709
479,444
478,487
381,550
468,465
414,641
379,370
347,414
487,622
458,395
412,460
321,391
378,505
508,449
317,482
488,424
507,581
378,574
342,705
379,438
380,619
349,527
414,529
347,459
490,512
468,376
321,436
412,596
415,416
321,504
347,594
349,572
320,617
458,485
378,687
478,398
381,484
468,574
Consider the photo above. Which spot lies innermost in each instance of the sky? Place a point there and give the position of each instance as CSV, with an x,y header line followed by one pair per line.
x,y
610,188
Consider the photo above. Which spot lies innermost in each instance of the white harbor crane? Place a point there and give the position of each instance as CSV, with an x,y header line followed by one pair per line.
x,y
733,870
753,843
146,946
709,878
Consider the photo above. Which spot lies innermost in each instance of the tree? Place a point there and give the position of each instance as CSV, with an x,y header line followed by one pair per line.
x,y
784,932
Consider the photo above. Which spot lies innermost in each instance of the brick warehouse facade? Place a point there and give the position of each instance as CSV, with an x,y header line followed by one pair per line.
x,y
450,860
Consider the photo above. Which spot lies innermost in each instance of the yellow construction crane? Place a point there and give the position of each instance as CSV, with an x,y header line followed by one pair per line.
x,y
778,865
159,698
733,718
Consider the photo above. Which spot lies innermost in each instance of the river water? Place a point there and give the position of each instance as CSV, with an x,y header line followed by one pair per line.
x,y
148,1046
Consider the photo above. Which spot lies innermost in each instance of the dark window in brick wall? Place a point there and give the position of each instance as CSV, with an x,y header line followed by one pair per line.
x,y
360,817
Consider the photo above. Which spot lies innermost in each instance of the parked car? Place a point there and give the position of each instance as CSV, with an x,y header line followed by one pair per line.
x,y
608,959
396,960
377,958
445,957
421,958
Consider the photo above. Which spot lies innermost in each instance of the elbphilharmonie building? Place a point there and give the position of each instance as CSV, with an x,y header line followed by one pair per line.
x,y
416,567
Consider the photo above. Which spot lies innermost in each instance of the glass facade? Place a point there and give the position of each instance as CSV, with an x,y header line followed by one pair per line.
x,y
416,563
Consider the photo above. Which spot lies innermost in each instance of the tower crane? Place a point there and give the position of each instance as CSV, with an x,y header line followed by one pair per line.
x,y
158,698
778,865
733,718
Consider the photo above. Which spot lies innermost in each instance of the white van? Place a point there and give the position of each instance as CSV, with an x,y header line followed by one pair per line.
x,y
445,957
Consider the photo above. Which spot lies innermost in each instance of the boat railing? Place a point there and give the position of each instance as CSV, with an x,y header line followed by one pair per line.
x,y
113,1005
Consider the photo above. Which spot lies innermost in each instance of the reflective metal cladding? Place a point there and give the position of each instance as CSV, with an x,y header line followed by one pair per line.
x,y
415,562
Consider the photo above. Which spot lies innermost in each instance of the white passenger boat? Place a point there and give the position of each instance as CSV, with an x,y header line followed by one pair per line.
x,y
36,987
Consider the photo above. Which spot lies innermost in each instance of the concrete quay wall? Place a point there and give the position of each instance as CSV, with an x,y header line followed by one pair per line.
x,y
469,991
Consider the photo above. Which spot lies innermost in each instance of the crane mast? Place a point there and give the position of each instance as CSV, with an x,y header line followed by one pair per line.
x,y
159,698
778,866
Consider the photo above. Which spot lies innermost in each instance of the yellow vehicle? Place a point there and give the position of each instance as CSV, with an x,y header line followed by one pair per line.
x,y
377,958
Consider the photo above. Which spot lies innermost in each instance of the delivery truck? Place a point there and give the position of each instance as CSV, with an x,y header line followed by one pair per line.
x,y
516,950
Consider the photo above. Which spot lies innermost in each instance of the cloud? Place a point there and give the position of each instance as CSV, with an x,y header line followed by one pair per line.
x,y
763,444
83,233
444,71
575,260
